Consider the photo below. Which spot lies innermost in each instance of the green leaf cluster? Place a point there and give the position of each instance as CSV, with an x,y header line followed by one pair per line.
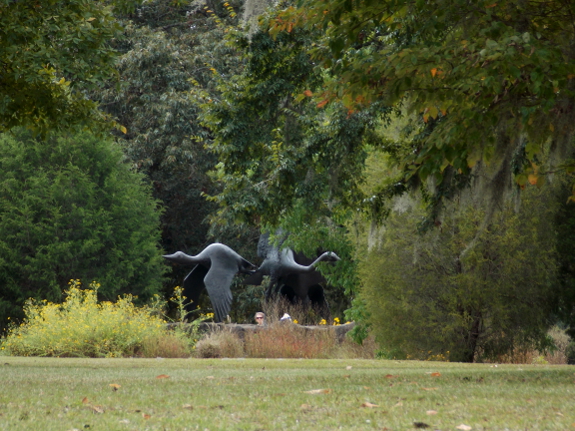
x,y
51,53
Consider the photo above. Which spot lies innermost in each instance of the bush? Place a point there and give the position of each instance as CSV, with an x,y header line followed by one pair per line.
x,y
84,327
461,292
70,208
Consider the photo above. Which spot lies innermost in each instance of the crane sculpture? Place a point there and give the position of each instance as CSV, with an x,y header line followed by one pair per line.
x,y
292,275
214,270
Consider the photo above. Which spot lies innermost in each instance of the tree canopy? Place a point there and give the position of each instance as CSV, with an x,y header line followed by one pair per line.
x,y
51,52
493,81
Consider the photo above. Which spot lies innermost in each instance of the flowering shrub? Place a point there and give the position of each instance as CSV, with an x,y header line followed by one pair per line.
x,y
84,327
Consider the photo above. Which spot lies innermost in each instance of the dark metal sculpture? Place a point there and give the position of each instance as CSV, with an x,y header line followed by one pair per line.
x,y
292,275
215,269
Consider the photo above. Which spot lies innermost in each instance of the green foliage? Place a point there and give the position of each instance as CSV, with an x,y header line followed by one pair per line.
x,y
69,207
51,52
169,49
283,160
496,79
277,151
433,294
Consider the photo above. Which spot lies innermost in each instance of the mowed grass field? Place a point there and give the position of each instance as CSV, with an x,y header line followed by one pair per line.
x,y
281,394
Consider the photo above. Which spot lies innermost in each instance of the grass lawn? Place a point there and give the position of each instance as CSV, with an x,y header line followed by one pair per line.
x,y
273,394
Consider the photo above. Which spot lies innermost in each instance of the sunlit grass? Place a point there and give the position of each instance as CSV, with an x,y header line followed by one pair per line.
x,y
270,394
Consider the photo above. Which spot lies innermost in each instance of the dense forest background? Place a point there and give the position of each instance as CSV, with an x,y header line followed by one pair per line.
x,y
429,144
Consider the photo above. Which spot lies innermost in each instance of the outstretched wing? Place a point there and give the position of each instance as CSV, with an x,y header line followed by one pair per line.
x,y
194,284
218,282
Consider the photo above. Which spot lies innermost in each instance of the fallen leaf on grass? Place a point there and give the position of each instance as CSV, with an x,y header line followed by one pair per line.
x,y
463,427
429,389
212,377
431,412
145,416
435,374
124,421
163,376
85,400
346,376
188,406
370,405
389,376
97,409
349,367
115,386
318,391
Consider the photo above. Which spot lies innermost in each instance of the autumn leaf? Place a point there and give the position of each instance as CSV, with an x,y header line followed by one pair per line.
x,y
163,376
434,71
318,391
97,409
389,376
429,389
463,427
145,416
85,400
369,405
431,412
115,386
435,374
308,93
322,103
349,367
188,406
532,178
